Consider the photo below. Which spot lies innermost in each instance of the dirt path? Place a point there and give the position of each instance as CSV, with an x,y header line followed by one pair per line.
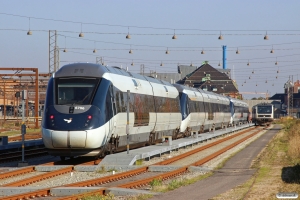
x,y
235,172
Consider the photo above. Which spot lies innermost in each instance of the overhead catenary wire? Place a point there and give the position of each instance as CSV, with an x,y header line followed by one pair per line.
x,y
255,62
147,27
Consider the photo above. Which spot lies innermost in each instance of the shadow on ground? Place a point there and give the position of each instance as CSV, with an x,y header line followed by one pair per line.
x,y
291,174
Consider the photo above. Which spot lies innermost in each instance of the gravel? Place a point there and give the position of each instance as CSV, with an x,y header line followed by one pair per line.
x,y
75,176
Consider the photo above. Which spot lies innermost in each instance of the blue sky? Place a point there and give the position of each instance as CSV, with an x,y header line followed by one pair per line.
x,y
151,24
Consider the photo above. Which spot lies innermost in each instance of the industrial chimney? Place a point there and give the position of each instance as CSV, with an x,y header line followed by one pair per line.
x,y
224,57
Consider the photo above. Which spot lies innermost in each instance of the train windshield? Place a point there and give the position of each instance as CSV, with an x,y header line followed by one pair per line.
x,y
264,109
75,91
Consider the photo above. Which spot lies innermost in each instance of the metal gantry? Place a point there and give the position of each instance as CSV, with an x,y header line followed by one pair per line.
x,y
11,85
289,86
142,69
290,96
53,52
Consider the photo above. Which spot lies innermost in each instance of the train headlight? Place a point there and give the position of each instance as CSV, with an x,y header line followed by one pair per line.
x,y
89,117
52,119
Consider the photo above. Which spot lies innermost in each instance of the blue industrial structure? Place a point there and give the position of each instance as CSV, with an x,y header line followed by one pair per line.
x,y
224,57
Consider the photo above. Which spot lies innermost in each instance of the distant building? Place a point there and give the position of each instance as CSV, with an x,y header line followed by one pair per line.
x,y
204,77
208,78
294,103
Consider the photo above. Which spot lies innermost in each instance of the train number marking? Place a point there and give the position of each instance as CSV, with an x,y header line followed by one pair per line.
x,y
79,108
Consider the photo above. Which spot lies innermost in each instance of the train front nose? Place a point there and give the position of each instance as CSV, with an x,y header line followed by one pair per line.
x,y
73,133
69,139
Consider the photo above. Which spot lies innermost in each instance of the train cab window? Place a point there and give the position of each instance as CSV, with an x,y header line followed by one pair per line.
x,y
264,109
75,91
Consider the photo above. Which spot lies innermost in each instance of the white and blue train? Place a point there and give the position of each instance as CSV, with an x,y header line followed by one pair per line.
x,y
263,114
85,111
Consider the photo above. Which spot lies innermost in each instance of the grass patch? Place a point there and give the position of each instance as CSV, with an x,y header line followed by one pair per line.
x,y
263,172
101,170
140,197
156,182
159,186
139,162
18,132
112,170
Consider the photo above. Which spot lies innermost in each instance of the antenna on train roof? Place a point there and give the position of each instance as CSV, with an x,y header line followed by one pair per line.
x,y
121,67
126,69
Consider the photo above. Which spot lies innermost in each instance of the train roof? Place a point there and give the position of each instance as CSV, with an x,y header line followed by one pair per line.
x,y
97,70
238,102
206,94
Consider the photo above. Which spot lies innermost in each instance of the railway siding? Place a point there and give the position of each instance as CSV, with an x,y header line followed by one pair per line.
x,y
156,150
142,182
74,176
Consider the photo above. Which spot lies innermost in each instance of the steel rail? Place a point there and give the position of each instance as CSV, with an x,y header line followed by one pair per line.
x,y
29,136
167,175
122,175
115,177
29,195
107,179
9,154
16,172
6,157
208,158
185,168
34,179
173,159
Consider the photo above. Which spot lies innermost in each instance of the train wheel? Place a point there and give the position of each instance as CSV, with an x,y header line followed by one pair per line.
x,y
62,158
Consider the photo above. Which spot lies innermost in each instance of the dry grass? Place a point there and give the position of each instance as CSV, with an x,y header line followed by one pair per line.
x,y
294,141
14,128
18,132
294,147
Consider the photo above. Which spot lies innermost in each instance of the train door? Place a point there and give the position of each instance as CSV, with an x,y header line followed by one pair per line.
x,y
232,111
195,111
111,109
184,106
202,111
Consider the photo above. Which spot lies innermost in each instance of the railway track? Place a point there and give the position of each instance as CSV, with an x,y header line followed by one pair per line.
x,y
114,180
31,136
51,174
17,155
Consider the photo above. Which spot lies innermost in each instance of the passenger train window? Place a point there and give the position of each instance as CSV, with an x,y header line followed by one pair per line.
x,y
75,90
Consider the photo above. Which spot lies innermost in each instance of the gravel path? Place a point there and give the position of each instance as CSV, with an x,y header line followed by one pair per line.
x,y
235,172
